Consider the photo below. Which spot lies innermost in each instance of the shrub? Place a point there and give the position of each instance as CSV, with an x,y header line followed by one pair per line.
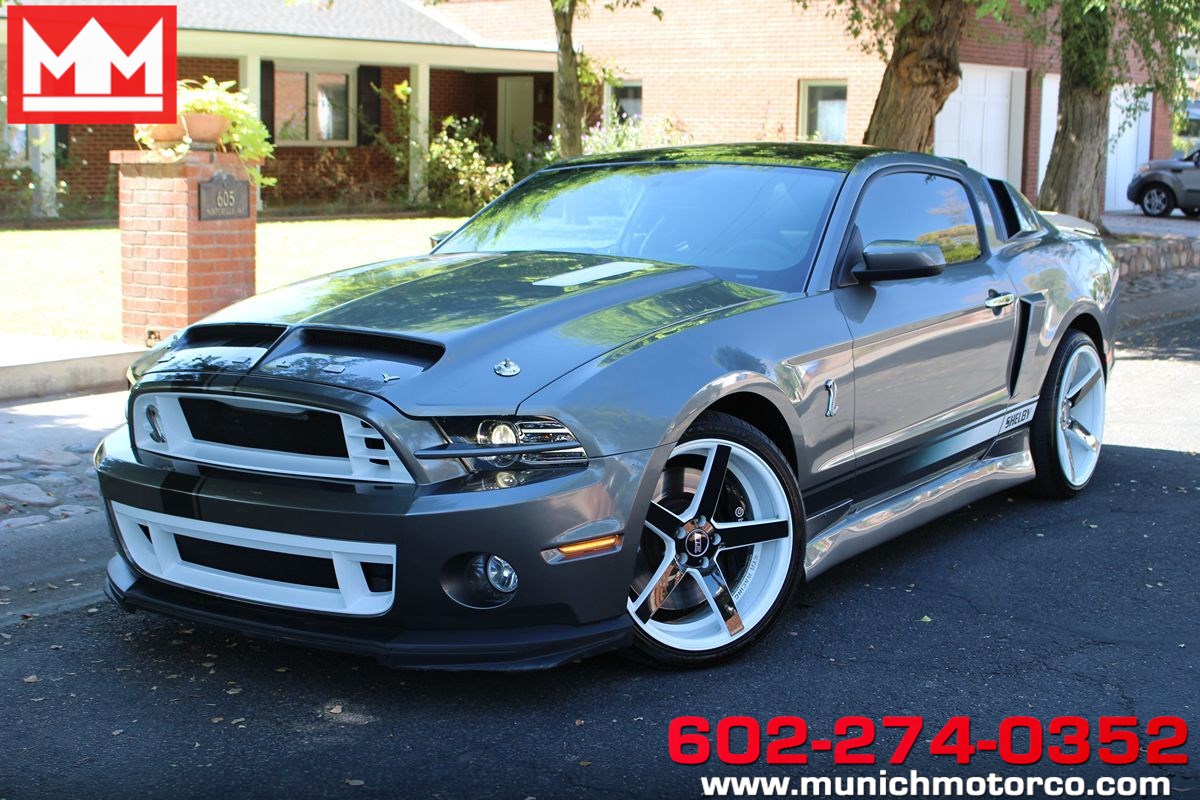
x,y
464,173
636,133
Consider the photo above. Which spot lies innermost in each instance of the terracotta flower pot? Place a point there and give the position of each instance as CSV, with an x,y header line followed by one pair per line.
x,y
204,128
167,133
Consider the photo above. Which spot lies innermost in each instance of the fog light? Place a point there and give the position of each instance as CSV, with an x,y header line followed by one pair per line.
x,y
501,575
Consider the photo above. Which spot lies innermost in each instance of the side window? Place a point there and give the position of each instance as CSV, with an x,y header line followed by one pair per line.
x,y
1015,212
1025,212
920,207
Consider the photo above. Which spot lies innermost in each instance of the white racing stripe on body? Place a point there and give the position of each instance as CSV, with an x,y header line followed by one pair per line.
x,y
577,277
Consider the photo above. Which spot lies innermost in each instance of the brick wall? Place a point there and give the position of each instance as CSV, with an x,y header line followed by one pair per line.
x,y
452,93
1161,144
176,268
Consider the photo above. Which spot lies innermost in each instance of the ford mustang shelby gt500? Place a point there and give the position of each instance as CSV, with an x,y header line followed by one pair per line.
x,y
637,400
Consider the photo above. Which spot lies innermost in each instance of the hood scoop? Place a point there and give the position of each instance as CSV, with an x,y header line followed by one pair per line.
x,y
363,360
226,347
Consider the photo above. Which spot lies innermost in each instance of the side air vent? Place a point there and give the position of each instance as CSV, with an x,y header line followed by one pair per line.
x,y
1023,315
233,335
342,342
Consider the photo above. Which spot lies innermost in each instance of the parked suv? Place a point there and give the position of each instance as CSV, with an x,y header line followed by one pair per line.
x,y
1160,187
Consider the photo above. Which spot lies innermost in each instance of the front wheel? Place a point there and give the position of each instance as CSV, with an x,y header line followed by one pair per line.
x,y
1157,201
721,548
1068,427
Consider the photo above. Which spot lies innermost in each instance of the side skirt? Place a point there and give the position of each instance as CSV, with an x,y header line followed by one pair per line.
x,y
1007,463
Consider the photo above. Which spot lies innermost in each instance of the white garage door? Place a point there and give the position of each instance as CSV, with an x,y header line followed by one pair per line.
x,y
1127,151
983,121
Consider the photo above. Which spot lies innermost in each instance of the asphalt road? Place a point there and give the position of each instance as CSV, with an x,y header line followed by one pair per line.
x,y
1089,607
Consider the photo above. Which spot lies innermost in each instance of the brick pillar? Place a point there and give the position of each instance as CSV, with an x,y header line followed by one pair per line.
x,y
175,267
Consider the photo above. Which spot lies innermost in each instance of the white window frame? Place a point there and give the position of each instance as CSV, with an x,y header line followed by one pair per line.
x,y
12,159
310,69
802,103
609,100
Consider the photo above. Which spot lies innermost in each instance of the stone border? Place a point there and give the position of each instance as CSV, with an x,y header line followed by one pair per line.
x,y
1156,255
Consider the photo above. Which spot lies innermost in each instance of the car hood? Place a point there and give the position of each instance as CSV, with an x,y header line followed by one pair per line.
x,y
427,333
1167,164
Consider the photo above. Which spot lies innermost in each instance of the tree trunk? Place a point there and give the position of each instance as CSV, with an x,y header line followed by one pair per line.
x,y
568,111
921,73
1075,174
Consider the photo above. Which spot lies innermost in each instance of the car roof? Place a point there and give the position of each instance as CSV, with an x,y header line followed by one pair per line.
x,y
840,157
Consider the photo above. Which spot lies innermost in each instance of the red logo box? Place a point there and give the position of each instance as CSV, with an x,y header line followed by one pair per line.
x,y
91,64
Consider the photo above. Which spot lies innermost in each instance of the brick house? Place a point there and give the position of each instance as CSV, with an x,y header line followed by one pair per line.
x,y
726,69
770,69
311,73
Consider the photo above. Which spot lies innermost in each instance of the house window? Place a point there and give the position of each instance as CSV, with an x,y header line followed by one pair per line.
x,y
625,101
14,139
823,111
314,106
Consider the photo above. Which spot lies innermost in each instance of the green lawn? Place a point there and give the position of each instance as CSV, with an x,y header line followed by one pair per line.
x,y
67,282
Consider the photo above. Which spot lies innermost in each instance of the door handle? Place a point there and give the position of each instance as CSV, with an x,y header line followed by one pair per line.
x,y
998,301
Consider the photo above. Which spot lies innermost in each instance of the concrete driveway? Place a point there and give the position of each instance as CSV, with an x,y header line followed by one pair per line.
x,y
1136,223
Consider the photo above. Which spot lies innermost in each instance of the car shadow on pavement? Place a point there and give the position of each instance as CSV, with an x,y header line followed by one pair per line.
x,y
1169,342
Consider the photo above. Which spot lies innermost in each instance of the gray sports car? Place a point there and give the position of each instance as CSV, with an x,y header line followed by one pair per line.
x,y
638,400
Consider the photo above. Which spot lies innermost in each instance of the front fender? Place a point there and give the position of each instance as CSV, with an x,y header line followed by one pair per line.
x,y
781,349
1144,179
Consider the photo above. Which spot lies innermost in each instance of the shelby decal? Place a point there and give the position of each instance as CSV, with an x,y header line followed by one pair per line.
x,y
1018,416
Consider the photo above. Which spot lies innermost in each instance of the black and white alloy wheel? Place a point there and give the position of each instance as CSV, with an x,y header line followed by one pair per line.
x,y
721,547
1068,429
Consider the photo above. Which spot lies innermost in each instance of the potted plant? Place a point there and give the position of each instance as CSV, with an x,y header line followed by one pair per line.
x,y
212,113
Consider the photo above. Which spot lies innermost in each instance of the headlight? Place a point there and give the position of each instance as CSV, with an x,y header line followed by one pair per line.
x,y
497,443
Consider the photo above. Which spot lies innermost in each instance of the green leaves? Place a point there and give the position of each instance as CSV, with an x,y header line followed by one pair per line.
x,y
247,135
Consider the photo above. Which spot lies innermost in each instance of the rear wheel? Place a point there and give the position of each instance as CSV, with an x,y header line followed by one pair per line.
x,y
721,548
1068,428
1157,200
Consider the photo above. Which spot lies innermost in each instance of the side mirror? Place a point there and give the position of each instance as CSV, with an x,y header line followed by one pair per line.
x,y
438,238
896,261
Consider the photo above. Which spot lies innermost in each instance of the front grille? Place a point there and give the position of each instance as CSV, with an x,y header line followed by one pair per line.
x,y
264,436
306,431
268,567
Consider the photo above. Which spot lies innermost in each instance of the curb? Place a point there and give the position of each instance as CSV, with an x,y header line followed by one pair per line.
x,y
70,375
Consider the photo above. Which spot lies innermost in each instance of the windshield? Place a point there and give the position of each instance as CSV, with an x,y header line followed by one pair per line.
x,y
746,223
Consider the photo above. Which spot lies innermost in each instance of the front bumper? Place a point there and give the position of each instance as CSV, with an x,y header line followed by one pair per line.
x,y
1133,193
531,647
562,610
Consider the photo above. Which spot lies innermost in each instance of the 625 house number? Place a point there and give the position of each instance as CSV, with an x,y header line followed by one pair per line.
x,y
1019,740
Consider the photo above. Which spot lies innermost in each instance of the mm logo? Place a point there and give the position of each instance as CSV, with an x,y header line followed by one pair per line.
x,y
91,64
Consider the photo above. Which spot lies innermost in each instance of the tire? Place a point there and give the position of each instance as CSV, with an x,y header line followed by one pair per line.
x,y
1068,427
696,597
1191,212
1157,200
